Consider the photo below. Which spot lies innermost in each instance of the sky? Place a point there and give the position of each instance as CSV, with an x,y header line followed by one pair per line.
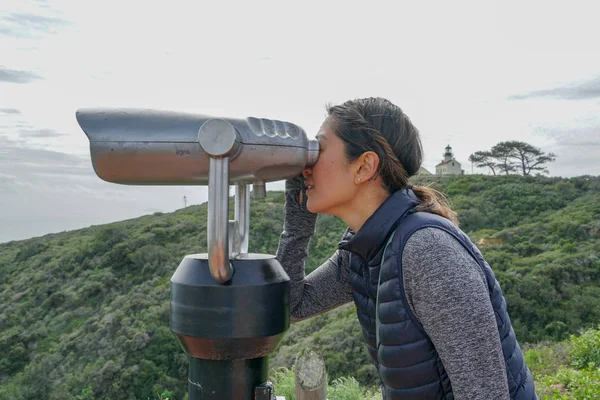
x,y
467,73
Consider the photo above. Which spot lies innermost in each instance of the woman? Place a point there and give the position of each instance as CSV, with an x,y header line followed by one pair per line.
x,y
433,316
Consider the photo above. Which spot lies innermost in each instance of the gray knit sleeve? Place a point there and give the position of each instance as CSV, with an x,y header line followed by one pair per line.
x,y
327,286
447,292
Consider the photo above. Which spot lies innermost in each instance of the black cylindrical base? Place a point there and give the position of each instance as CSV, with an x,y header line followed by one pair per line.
x,y
244,319
225,379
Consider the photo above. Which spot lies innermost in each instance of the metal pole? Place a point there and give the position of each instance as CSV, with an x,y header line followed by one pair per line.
x,y
218,219
242,216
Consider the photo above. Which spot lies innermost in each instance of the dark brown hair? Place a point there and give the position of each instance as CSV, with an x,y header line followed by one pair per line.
x,y
378,125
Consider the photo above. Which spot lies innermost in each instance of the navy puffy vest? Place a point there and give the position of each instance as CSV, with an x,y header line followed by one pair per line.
x,y
406,359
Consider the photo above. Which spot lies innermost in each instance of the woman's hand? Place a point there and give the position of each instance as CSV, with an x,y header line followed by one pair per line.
x,y
296,189
297,217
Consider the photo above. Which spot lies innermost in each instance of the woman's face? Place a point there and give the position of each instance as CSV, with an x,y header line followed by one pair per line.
x,y
330,181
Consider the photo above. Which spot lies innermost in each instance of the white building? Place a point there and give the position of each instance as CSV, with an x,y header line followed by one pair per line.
x,y
449,165
423,171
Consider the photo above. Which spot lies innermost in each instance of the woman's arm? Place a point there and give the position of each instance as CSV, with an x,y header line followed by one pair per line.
x,y
447,291
326,287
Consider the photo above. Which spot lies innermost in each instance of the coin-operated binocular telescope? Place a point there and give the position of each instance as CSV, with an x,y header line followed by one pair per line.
x,y
229,308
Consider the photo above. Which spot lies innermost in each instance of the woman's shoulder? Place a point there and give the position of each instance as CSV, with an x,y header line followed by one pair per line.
x,y
430,237
431,246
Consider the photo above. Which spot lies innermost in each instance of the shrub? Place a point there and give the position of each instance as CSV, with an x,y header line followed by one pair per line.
x,y
283,382
570,384
345,389
585,350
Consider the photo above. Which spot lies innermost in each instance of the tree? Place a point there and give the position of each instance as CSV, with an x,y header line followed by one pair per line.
x,y
504,152
512,156
530,157
483,159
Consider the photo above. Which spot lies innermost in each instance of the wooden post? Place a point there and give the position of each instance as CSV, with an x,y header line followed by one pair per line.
x,y
310,376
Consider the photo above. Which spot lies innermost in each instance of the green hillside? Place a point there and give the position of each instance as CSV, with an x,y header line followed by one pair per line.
x,y
84,314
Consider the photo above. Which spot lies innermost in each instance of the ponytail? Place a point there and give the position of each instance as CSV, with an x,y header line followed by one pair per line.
x,y
432,201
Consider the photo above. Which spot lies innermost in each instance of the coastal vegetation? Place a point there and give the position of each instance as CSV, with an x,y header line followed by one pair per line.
x,y
84,314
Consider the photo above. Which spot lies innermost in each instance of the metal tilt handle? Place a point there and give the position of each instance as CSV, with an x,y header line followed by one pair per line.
x,y
219,139
218,214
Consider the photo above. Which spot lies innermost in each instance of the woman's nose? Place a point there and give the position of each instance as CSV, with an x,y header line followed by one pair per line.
x,y
306,172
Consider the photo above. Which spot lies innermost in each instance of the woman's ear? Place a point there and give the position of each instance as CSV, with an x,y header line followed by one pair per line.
x,y
366,167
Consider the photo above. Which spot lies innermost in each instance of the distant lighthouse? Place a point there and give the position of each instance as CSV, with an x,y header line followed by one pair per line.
x,y
449,165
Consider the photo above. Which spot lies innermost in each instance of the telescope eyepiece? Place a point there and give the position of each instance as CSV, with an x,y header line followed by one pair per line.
x,y
313,153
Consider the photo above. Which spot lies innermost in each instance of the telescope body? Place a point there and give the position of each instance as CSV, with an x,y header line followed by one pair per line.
x,y
150,147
